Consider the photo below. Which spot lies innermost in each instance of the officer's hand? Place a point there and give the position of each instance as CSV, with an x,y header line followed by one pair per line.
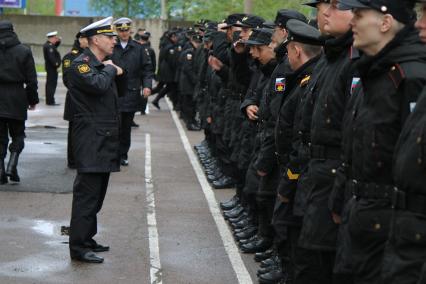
x,y
283,199
31,107
261,174
119,70
209,120
146,92
251,112
239,46
215,63
336,218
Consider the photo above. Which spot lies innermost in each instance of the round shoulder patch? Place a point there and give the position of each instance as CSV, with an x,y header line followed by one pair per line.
x,y
189,56
83,68
67,63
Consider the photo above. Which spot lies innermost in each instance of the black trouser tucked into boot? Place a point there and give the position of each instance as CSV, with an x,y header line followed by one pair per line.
x,y
51,82
16,130
126,133
88,197
70,154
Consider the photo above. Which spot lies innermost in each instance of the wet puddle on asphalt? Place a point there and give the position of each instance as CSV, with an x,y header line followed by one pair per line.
x,y
35,248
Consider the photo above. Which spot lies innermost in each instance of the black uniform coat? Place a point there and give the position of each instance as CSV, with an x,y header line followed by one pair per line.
x,y
392,81
16,69
136,61
96,120
66,64
405,254
52,58
319,232
188,78
168,62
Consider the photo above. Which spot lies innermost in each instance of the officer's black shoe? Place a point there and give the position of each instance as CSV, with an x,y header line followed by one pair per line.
x,y
234,213
275,265
133,124
3,176
275,276
53,104
251,231
214,177
100,248
261,256
242,216
269,261
193,127
240,230
156,105
124,162
258,246
231,203
12,171
242,224
203,143
255,238
224,182
89,257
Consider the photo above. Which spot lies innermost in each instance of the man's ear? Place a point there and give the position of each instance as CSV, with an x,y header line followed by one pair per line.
x,y
387,23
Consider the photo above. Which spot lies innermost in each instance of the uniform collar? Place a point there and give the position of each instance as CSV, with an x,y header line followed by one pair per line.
x,y
90,57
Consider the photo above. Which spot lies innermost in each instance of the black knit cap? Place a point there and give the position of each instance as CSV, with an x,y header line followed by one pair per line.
x,y
401,10
6,25
250,21
303,32
284,15
261,36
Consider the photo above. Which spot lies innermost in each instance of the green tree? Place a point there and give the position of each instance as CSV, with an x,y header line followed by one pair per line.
x,y
127,8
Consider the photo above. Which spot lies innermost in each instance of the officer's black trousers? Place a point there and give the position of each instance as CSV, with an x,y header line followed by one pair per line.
x,y
188,109
126,133
144,102
170,89
310,266
70,153
88,197
369,229
51,82
16,130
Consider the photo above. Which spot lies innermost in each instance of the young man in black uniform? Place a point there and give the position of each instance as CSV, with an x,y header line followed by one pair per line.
x,y
18,92
393,73
139,74
95,136
405,254
80,43
52,61
318,233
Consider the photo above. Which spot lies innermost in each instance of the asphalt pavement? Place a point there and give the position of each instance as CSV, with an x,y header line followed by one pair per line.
x,y
162,228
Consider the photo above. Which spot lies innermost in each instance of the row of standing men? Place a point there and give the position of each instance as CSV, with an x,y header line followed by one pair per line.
x,y
321,131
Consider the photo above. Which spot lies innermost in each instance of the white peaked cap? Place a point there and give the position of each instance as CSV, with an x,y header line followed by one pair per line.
x,y
49,34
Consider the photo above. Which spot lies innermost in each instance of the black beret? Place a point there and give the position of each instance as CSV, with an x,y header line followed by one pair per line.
x,y
284,15
302,32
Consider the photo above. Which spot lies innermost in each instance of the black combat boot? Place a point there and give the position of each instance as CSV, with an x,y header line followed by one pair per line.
x,y
12,171
3,176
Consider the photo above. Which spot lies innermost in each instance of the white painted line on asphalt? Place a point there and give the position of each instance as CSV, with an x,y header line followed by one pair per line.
x,y
154,249
231,249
